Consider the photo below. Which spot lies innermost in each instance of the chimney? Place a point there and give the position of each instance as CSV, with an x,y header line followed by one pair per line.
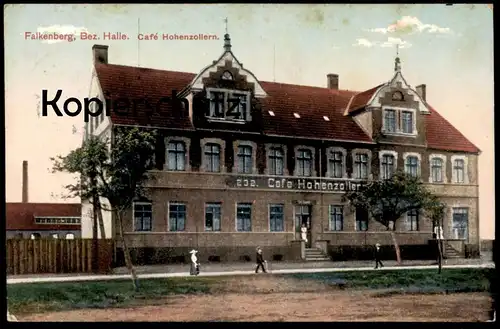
x,y
332,81
25,181
100,54
422,91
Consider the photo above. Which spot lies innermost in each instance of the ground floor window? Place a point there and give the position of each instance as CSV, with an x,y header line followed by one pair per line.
x,y
336,218
460,223
212,216
361,220
276,218
70,236
176,217
244,217
143,216
35,236
412,220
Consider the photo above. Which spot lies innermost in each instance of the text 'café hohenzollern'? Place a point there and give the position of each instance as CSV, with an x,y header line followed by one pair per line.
x,y
234,175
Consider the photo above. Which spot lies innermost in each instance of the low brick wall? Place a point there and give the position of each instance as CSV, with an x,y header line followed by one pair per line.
x,y
172,255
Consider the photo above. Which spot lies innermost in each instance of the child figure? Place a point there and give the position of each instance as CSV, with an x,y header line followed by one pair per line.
x,y
303,233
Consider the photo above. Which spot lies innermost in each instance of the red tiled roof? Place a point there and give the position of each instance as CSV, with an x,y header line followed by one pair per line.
x,y
360,100
21,216
441,135
311,103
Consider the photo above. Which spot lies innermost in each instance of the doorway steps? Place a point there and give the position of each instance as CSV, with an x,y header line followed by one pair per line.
x,y
450,252
316,255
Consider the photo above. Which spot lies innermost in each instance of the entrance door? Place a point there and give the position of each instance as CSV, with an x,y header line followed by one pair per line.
x,y
303,216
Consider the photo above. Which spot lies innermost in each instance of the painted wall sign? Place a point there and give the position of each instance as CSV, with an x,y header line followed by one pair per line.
x,y
294,183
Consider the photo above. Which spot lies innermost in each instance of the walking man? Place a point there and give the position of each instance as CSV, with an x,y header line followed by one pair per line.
x,y
260,261
377,256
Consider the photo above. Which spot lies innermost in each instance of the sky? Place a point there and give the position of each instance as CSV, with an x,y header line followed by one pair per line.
x,y
448,48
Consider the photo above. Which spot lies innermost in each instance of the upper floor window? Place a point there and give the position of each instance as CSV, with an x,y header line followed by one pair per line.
x,y
459,170
360,168
227,76
245,163
276,161
143,216
407,122
390,121
387,166
437,170
336,164
212,157
411,165
304,162
176,154
229,105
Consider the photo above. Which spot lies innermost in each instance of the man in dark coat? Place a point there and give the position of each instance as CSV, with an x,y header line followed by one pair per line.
x,y
260,261
377,256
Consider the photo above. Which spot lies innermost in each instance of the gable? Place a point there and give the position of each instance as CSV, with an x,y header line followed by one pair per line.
x,y
228,60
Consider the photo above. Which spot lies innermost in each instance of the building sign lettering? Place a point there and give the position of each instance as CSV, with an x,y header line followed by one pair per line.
x,y
295,184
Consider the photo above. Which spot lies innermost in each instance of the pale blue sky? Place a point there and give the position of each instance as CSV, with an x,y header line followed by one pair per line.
x,y
451,51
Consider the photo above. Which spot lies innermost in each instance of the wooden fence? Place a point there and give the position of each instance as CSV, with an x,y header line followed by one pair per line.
x,y
57,256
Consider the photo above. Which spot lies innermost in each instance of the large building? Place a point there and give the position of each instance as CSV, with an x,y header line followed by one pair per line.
x,y
233,175
32,220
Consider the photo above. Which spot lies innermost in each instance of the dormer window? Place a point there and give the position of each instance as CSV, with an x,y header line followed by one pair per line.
x,y
228,105
227,76
397,96
399,121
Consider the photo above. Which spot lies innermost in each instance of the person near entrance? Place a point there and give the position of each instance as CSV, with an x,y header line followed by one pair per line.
x,y
195,266
377,256
303,233
260,261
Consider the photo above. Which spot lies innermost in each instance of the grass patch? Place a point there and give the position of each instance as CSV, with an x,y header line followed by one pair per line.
x,y
409,281
44,297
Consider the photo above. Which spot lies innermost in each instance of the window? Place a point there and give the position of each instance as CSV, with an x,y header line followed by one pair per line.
x,y
212,157
176,154
407,122
228,105
361,219
390,121
304,162
336,218
245,162
227,76
244,217
336,164
437,170
143,216
276,218
276,161
412,220
458,170
212,216
460,223
176,217
360,166
55,236
70,236
387,167
411,166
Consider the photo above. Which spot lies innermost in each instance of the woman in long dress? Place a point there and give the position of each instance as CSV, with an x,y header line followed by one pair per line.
x,y
194,263
303,233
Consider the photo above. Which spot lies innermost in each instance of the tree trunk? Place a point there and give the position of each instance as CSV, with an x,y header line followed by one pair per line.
x,y
440,255
100,219
396,246
95,242
126,253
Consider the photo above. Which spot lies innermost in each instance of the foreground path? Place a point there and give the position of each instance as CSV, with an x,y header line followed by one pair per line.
x,y
77,278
